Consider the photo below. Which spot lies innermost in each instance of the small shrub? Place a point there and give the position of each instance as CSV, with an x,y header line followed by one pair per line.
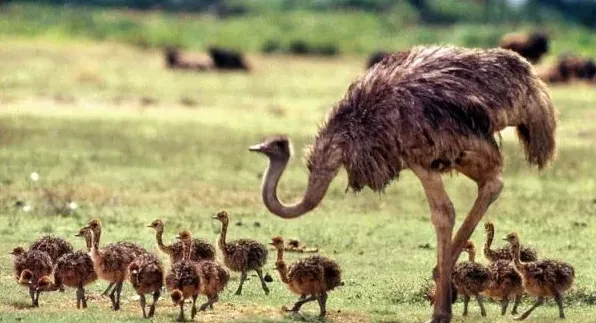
x,y
271,46
299,47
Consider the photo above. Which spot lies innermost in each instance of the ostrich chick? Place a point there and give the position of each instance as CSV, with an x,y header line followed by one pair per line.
x,y
54,246
542,278
213,276
470,278
146,275
73,270
29,267
526,253
121,253
183,280
201,249
314,276
241,255
505,283
111,261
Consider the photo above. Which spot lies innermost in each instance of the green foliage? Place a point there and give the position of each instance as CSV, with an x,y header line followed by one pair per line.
x,y
327,33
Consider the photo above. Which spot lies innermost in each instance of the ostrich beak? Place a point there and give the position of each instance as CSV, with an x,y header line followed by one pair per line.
x,y
150,226
77,235
505,239
271,244
257,147
215,217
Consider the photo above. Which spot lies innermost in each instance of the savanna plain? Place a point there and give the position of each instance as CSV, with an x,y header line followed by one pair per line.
x,y
107,127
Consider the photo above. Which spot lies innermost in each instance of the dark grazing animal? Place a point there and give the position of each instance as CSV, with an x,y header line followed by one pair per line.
x,y
531,46
227,59
174,60
431,110
569,68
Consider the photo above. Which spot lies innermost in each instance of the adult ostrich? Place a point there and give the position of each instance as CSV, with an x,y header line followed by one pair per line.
x,y
431,110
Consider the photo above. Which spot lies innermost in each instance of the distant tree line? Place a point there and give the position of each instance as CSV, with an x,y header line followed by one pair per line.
x,y
428,11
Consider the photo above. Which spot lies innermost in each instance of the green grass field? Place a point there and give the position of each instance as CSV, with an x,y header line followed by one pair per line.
x,y
133,142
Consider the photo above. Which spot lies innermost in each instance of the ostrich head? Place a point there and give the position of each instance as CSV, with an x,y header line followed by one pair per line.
x,y
488,226
184,236
157,225
17,251
222,217
277,242
275,147
44,284
26,277
177,296
512,238
469,246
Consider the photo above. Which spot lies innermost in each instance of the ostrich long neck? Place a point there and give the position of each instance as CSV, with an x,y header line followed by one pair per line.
x,y
160,245
280,253
221,240
515,253
471,255
282,270
94,246
318,182
88,241
490,235
186,244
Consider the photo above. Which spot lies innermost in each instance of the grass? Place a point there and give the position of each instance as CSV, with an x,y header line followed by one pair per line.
x,y
109,121
348,32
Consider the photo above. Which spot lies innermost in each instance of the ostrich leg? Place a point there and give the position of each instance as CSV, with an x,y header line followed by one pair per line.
x,y
443,217
485,169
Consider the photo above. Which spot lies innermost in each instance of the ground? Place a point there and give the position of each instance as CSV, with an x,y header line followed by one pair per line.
x,y
128,141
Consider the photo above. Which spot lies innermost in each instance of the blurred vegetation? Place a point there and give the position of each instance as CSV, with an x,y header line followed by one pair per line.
x,y
272,30
326,27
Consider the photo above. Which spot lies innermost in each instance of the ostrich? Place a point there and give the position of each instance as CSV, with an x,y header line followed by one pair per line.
x,y
526,253
241,255
201,249
542,278
183,281
471,278
431,110
315,276
146,274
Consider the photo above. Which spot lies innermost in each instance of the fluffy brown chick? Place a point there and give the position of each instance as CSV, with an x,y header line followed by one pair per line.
x,y
29,268
241,255
505,284
201,249
183,279
526,253
54,246
213,276
470,279
146,274
72,270
127,251
542,278
111,261
315,275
